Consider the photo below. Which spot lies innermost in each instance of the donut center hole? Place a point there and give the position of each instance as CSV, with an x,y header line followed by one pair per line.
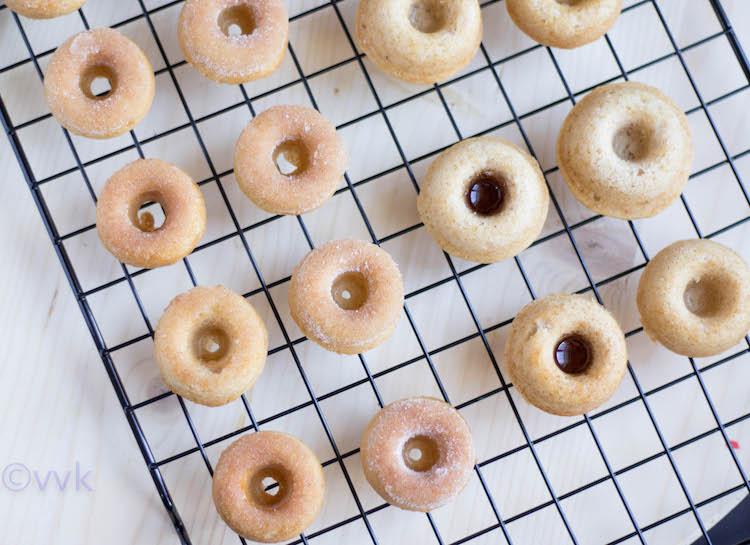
x,y
349,290
291,157
237,21
633,141
269,487
98,81
486,193
421,453
570,2
709,296
428,16
573,354
148,213
211,344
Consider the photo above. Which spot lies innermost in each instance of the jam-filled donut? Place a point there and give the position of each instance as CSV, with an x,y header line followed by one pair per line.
x,y
694,298
417,453
241,483
234,41
95,55
564,23
565,354
44,9
484,200
625,150
347,296
210,345
134,239
421,41
289,160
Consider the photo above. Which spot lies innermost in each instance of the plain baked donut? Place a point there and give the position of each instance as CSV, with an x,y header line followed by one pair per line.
x,y
86,57
417,453
312,148
210,345
484,200
625,150
234,41
245,470
564,23
347,296
44,9
566,354
421,41
133,239
694,298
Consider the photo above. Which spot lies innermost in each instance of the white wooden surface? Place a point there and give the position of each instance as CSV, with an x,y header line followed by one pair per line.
x,y
58,407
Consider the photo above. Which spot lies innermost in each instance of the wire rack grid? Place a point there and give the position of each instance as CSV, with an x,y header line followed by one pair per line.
x,y
365,522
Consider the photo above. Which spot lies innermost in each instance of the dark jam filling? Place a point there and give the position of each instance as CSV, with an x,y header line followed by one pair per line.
x,y
485,194
572,355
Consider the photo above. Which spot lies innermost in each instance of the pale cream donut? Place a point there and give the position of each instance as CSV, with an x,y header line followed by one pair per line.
x,y
694,298
347,296
564,23
44,9
307,141
92,54
210,345
417,453
205,33
625,150
421,41
133,239
240,494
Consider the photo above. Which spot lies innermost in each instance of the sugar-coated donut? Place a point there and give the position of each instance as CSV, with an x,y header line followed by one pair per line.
x,y
347,296
625,150
44,9
417,453
133,239
206,32
421,41
310,145
88,56
245,470
566,354
484,200
564,23
694,298
210,345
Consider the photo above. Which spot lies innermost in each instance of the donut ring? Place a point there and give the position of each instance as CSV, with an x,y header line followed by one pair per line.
x,y
133,239
310,144
205,32
558,326
44,9
210,345
484,200
347,296
439,469
90,55
564,23
239,490
625,150
420,41
694,298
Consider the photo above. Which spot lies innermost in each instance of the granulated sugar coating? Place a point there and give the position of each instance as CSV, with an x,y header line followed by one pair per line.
x,y
417,453
44,9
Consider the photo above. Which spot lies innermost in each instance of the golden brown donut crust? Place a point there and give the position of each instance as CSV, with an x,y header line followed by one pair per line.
x,y
694,298
530,354
238,491
81,59
44,9
321,160
447,451
317,300
183,337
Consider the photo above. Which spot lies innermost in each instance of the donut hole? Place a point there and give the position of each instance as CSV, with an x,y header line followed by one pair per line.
x,y
269,487
634,141
148,213
291,157
486,193
210,345
421,453
237,21
98,81
710,296
428,16
573,354
570,2
349,290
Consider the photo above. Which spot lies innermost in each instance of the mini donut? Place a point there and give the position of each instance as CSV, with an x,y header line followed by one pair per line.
x,y
311,146
210,345
88,56
206,32
417,453
133,239
566,354
484,200
420,41
694,298
564,23
241,479
625,150
347,296
44,9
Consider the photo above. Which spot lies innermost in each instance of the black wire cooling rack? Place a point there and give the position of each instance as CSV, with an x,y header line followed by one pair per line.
x,y
493,67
